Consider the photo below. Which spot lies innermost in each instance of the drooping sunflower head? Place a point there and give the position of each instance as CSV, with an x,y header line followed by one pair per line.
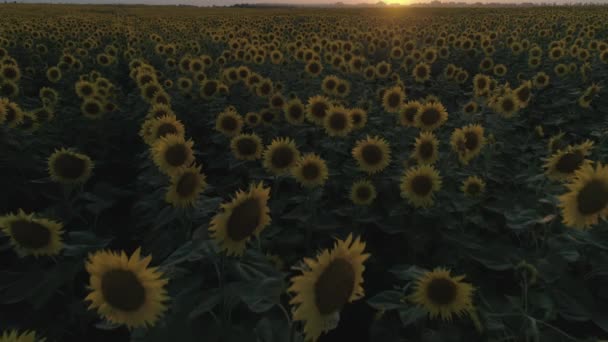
x,y
587,198
242,218
523,93
564,163
392,99
372,154
172,153
431,116
162,127
363,192
442,295
317,109
418,185
246,146
30,235
68,167
311,171
407,114
358,117
481,85
294,111
281,156
185,187
426,149
124,290
337,122
327,283
473,186
229,122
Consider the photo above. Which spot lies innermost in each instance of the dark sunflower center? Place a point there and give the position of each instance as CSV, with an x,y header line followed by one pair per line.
x,y
164,129
277,101
473,188
372,154
176,155
570,162
363,193
311,171
267,116
295,112
229,123
243,220
357,118
442,291
426,150
92,108
430,116
69,166
393,100
282,157
334,286
410,113
265,89
341,88
471,140
338,121
422,185
523,94
30,234
508,105
481,83
331,84
319,110
122,290
150,91
313,68
9,73
421,72
210,88
187,184
246,146
592,198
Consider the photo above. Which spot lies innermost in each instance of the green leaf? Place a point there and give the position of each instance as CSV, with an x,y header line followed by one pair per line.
x,y
210,299
411,315
387,300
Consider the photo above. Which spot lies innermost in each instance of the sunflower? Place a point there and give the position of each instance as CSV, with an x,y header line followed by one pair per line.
x,y
30,123
442,295
209,88
587,199
172,153
229,123
481,85
358,117
564,163
311,170
162,127
327,283
245,216
342,89
31,235
419,183
253,119
124,290
317,108
246,146
470,107
421,72
431,116
92,108
313,68
467,142
85,89
276,101
9,89
372,154
68,167
185,187
329,84
294,111
53,74
407,114
507,105
541,80
523,93
281,156
473,186
426,149
363,192
337,122
393,99
159,110
15,336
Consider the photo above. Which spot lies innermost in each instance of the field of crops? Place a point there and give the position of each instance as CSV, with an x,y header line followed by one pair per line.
x,y
283,175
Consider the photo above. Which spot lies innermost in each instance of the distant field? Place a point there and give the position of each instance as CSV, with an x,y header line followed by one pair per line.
x,y
301,174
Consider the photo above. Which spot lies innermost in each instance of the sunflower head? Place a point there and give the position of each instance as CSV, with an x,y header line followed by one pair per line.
x,y
426,149
124,290
587,198
473,186
172,153
564,163
358,117
30,235
418,185
431,116
68,167
337,122
242,218
467,142
363,192
246,146
392,99
185,187
311,171
16,336
442,295
317,109
294,111
421,72
373,154
407,114
281,156
229,122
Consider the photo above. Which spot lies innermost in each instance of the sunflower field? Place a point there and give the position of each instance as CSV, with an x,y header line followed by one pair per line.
x,y
299,174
